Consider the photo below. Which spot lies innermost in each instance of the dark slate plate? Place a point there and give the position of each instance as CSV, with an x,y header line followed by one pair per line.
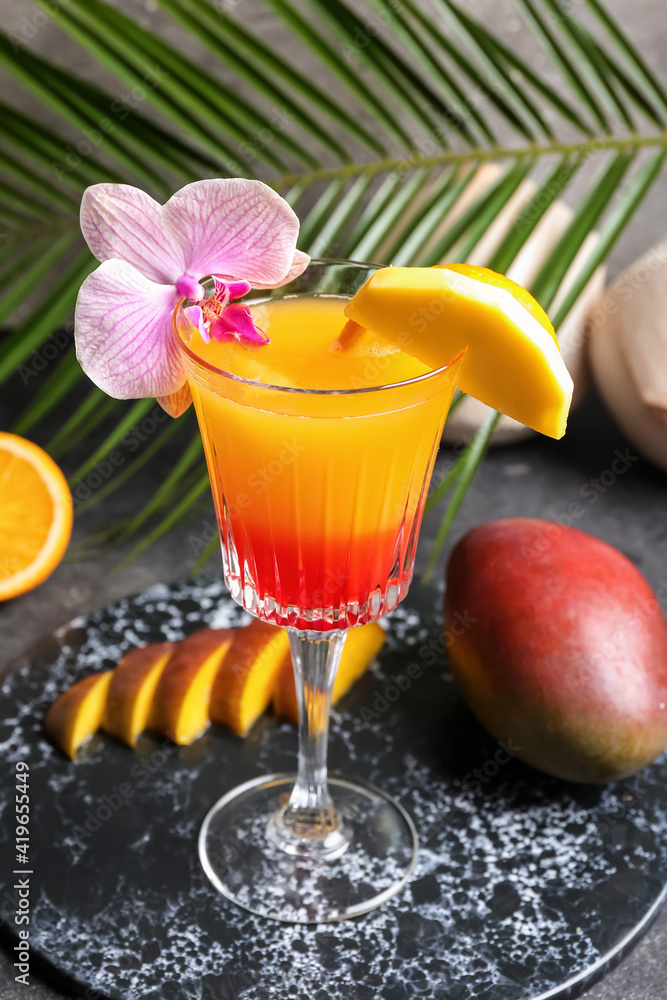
x,y
525,887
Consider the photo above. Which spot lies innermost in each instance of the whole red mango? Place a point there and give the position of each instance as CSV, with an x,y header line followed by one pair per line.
x,y
559,646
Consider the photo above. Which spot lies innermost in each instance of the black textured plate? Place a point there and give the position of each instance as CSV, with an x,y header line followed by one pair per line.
x,y
526,887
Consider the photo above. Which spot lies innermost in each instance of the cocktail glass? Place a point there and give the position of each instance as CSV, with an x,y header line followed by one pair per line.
x,y
319,496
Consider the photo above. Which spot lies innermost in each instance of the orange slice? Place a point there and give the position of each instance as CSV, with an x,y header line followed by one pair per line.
x,y
512,361
35,515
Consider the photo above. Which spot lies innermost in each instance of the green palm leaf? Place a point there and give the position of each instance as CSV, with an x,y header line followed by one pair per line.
x,y
638,66
337,65
52,311
204,22
376,154
268,71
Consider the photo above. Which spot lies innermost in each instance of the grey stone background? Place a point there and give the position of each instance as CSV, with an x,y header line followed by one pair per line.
x,y
538,478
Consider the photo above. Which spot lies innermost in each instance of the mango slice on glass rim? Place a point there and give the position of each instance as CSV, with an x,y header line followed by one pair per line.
x,y
512,361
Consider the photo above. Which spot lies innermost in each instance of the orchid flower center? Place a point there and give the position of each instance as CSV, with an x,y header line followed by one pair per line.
x,y
219,317
212,308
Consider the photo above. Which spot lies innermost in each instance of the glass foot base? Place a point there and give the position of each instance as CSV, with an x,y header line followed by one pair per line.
x,y
373,858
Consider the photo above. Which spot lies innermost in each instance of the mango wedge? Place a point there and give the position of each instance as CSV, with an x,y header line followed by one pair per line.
x,y
512,361
131,691
77,713
227,676
246,680
361,647
181,702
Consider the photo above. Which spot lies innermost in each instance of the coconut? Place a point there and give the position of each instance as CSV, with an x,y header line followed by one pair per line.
x,y
628,352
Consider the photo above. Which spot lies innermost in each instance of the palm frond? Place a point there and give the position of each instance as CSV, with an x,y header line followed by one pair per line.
x,y
28,271
130,420
266,70
131,469
384,152
62,379
460,477
645,76
93,409
52,311
610,232
163,494
341,68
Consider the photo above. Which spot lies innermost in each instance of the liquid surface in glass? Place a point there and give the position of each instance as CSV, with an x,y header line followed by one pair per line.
x,y
301,330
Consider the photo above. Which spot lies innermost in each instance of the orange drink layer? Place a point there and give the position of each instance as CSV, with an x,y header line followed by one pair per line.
x,y
319,460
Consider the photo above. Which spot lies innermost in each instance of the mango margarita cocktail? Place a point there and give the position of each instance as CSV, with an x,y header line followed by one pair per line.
x,y
319,491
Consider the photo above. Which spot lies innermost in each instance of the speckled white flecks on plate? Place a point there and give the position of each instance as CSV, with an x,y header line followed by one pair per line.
x,y
523,883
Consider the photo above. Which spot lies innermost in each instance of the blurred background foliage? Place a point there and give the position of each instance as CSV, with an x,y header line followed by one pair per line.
x,y
374,134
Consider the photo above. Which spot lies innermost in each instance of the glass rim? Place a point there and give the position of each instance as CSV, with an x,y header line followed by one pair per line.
x,y
255,384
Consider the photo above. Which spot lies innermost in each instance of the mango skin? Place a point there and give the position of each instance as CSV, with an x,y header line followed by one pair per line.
x,y
559,645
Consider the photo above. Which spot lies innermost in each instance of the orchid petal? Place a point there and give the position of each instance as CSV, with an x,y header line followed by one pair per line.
x,y
299,264
124,339
227,290
221,294
177,402
121,222
233,227
236,321
196,316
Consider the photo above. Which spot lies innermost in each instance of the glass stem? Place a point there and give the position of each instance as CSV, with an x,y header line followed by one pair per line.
x,y
308,824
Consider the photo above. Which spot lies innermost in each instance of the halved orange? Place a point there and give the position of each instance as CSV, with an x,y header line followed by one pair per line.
x,y
512,361
35,515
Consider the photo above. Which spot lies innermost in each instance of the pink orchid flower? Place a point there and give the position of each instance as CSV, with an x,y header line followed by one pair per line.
x,y
240,232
